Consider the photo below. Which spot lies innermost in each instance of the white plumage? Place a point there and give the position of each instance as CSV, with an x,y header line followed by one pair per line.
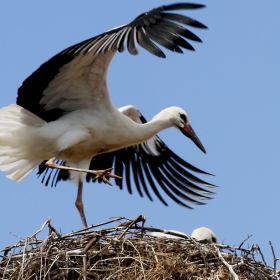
x,y
204,234
16,146
64,117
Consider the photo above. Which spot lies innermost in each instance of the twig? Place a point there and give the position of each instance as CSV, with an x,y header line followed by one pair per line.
x,y
139,258
198,246
97,238
140,218
52,229
263,259
93,226
154,253
115,258
233,248
93,241
56,258
227,265
274,259
129,223
85,267
27,242
241,244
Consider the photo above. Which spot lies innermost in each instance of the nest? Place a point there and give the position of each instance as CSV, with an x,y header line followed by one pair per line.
x,y
128,251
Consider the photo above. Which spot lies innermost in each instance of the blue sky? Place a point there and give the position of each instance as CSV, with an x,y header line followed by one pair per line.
x,y
230,88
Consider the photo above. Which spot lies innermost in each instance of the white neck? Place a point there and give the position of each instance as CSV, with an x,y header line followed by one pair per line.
x,y
139,133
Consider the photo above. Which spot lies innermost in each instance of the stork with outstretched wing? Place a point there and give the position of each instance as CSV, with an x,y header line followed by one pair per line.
x,y
65,120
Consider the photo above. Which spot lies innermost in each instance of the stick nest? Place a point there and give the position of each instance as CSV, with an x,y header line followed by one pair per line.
x,y
128,251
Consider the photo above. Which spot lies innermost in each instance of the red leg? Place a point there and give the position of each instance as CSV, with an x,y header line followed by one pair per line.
x,y
79,203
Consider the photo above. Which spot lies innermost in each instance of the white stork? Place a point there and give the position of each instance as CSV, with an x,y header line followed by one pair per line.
x,y
64,117
204,234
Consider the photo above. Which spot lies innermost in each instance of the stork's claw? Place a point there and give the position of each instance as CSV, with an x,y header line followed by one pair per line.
x,y
105,173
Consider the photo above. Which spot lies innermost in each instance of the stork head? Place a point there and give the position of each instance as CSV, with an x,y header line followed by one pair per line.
x,y
204,234
179,119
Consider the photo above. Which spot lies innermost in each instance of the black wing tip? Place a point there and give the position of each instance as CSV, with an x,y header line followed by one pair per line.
x,y
207,173
182,6
200,25
198,6
135,35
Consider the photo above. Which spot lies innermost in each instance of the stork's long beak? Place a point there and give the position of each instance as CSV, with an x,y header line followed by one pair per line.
x,y
188,131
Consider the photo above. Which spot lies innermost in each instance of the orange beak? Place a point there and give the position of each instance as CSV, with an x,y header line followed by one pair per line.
x,y
188,131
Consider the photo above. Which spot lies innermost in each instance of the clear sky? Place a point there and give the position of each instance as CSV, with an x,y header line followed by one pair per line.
x,y
230,87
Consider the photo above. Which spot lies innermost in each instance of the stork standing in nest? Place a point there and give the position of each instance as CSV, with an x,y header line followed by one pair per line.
x,y
64,118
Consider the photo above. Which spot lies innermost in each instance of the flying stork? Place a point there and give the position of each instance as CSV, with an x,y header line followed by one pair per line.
x,y
64,120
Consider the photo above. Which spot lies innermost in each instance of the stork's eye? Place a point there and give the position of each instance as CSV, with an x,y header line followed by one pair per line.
x,y
183,117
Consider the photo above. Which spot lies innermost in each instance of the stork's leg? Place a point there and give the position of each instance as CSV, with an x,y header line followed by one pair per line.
x,y
99,173
79,203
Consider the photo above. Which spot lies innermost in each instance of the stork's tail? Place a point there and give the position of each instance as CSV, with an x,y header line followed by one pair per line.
x,y
13,123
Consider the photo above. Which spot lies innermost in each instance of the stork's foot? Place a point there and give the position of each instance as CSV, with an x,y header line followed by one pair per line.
x,y
105,173
98,173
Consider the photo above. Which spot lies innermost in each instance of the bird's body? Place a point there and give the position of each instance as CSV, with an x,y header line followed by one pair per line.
x,y
80,135
64,113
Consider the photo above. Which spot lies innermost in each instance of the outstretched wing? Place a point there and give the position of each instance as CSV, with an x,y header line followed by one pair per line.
x,y
77,77
149,165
